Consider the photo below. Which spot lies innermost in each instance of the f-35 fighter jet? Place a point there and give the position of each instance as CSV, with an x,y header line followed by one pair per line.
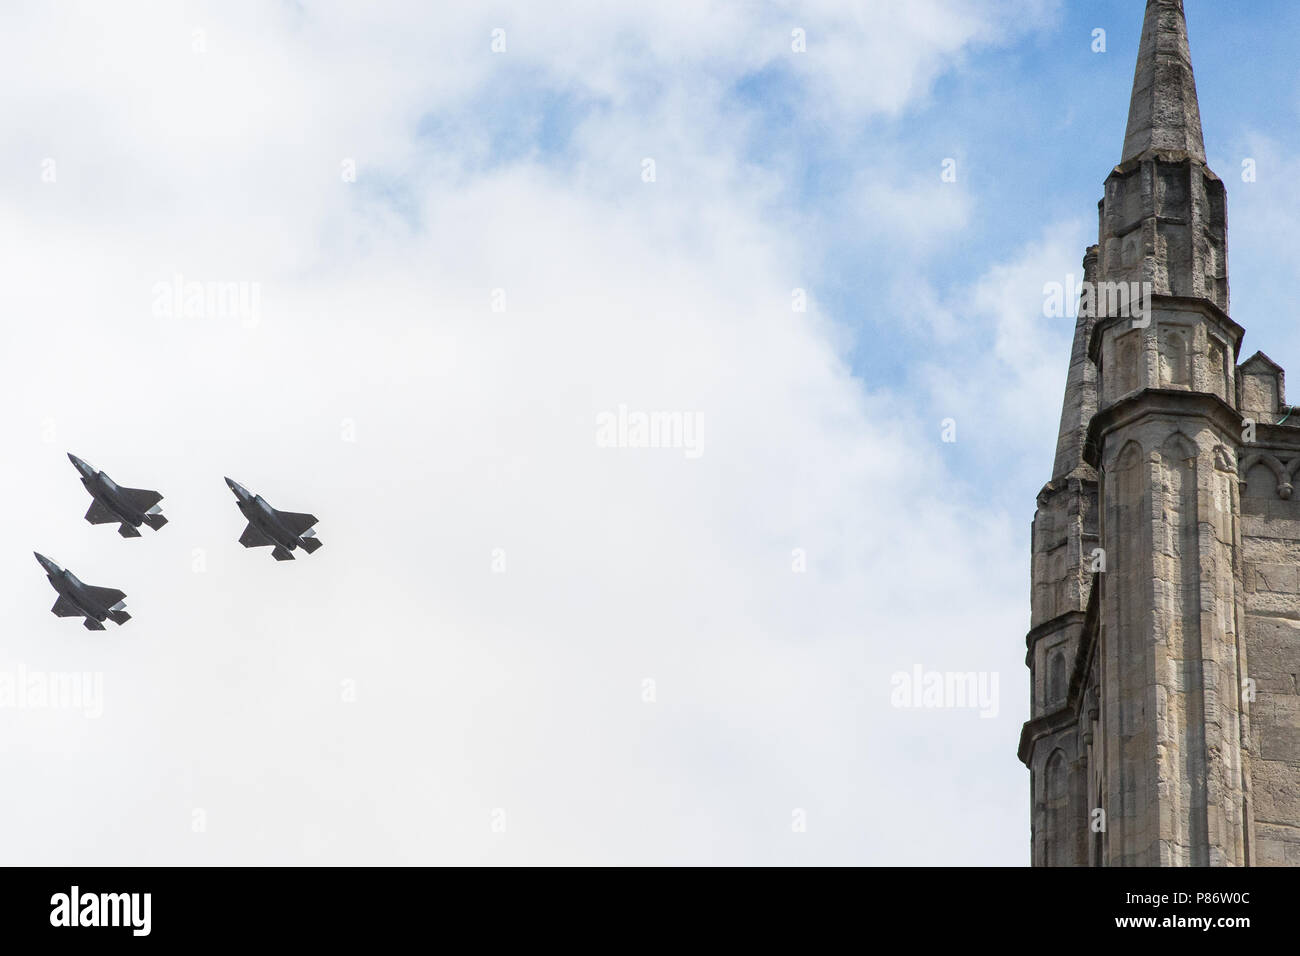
x,y
76,599
127,507
285,530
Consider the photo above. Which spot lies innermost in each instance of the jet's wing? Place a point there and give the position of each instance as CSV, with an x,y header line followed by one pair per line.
x,y
252,538
99,513
105,597
296,522
65,608
140,499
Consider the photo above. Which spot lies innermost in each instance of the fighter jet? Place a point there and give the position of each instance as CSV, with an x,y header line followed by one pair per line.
x,y
81,600
286,530
128,507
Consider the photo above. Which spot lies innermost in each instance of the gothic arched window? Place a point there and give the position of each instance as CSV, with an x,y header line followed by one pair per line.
x,y
1056,678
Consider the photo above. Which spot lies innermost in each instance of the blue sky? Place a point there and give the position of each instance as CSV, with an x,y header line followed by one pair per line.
x,y
439,331
1036,126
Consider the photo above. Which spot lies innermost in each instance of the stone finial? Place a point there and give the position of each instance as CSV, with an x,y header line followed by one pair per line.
x,y
1080,402
1164,116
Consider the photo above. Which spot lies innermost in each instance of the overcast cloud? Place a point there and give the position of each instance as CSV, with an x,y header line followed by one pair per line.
x,y
517,645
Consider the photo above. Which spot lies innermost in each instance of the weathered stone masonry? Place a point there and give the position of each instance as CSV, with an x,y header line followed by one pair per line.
x,y
1164,644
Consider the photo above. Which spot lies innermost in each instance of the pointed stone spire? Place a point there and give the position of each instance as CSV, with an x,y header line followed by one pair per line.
x,y
1080,384
1164,115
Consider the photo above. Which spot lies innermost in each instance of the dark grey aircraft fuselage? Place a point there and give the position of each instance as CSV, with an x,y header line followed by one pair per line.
x,y
286,530
104,490
262,517
71,587
128,508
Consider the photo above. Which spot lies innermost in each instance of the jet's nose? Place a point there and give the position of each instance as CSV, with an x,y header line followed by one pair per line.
x,y
237,488
80,465
46,563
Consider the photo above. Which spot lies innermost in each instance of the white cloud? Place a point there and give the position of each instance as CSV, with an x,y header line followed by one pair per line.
x,y
475,432
1002,362
1263,264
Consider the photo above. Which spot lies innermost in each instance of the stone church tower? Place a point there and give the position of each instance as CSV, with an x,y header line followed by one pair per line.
x,y
1164,644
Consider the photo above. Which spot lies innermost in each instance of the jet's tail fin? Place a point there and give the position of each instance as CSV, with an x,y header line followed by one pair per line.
x,y
154,520
310,544
118,616
126,531
93,625
281,554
